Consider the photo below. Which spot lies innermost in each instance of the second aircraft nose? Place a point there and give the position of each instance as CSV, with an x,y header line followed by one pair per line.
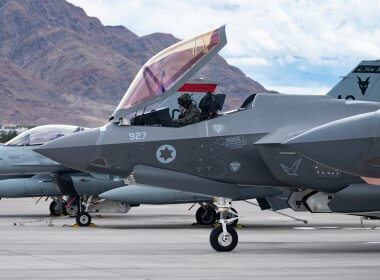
x,y
74,151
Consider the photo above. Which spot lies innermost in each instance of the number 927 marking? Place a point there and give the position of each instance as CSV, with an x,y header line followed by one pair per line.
x,y
137,135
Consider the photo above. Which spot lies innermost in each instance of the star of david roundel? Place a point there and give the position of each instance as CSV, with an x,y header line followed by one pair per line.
x,y
166,154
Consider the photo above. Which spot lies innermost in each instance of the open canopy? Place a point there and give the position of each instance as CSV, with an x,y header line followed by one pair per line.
x,y
42,134
163,74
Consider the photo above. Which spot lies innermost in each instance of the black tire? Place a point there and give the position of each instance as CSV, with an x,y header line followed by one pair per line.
x,y
83,219
219,244
71,210
56,208
228,216
206,217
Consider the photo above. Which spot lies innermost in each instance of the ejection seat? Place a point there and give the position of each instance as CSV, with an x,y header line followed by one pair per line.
x,y
210,104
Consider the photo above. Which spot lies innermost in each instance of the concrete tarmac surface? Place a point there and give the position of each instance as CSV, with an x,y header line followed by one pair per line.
x,y
160,242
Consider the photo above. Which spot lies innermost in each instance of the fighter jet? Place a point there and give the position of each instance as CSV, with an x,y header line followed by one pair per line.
x,y
24,173
236,153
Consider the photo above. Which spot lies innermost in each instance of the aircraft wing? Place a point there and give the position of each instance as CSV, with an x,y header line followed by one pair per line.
x,y
165,73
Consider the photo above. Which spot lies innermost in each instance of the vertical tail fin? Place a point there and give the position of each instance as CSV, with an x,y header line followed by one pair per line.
x,y
362,83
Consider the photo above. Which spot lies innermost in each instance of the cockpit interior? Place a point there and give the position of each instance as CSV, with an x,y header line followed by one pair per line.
x,y
163,116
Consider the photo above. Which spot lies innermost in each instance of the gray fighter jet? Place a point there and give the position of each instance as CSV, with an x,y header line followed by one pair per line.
x,y
235,154
24,173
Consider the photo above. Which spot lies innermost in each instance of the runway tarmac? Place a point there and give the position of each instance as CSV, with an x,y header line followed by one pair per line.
x,y
160,242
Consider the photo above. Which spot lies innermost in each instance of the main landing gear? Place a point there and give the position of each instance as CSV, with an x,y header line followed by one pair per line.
x,y
224,238
207,215
71,206
60,207
57,206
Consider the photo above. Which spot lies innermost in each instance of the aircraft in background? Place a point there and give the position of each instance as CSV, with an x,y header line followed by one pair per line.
x,y
237,153
362,83
25,173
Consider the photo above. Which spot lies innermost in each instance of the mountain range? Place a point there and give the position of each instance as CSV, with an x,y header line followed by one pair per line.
x,y
58,65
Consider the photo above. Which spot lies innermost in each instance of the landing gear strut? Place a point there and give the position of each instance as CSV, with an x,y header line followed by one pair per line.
x,y
224,238
231,214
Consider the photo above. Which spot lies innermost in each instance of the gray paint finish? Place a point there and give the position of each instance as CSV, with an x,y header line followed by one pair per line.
x,y
251,140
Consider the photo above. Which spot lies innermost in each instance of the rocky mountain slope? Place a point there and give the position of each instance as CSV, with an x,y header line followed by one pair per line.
x,y
58,65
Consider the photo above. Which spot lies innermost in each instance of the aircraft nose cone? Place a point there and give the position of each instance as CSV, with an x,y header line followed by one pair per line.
x,y
74,151
347,144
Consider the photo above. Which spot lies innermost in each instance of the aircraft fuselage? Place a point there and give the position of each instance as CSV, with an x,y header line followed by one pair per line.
x,y
243,147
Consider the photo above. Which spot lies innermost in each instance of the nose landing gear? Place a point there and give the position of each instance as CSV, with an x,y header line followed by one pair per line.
x,y
83,219
224,238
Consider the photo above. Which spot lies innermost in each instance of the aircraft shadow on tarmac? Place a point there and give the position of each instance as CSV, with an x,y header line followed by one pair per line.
x,y
246,226
308,248
27,216
121,221
106,216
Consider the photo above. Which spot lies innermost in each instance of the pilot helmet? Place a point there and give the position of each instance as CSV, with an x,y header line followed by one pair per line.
x,y
184,100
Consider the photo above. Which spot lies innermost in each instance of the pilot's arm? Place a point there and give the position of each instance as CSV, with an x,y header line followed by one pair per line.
x,y
190,116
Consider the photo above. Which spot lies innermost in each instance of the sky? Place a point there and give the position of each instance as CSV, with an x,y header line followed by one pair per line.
x,y
292,46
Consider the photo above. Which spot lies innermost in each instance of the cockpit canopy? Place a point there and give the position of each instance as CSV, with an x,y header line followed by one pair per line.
x,y
42,134
163,74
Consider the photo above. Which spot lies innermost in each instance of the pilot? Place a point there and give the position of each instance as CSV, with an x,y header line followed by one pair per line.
x,y
189,111
209,107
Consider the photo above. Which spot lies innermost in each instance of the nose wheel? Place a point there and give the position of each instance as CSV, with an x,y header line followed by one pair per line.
x,y
83,219
224,238
224,241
